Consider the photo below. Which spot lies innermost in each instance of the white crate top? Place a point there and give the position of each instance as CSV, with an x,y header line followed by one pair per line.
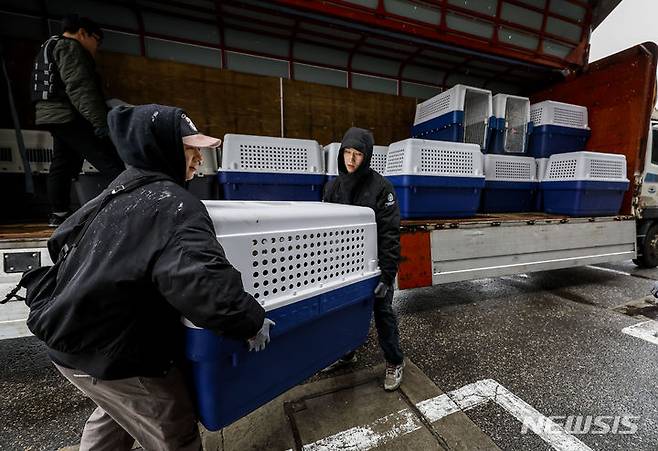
x,y
290,251
248,153
208,166
454,99
39,149
434,158
377,162
588,166
510,168
550,112
513,108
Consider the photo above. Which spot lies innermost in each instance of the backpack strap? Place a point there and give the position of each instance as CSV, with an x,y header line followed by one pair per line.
x,y
13,294
79,231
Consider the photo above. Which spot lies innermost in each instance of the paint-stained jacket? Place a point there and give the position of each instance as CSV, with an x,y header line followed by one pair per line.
x,y
366,188
150,257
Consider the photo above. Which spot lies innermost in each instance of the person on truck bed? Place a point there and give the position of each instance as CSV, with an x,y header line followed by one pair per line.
x,y
150,255
358,184
69,103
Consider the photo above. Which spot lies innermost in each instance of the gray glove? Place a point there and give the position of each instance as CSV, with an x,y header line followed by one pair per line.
x,y
262,338
654,289
381,290
102,132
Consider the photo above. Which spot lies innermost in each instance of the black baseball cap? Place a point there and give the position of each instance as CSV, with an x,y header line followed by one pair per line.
x,y
192,136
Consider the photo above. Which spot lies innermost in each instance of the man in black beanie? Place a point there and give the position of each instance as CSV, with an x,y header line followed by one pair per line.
x,y
358,184
69,103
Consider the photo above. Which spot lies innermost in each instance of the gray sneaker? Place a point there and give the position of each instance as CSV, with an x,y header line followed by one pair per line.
x,y
341,363
393,376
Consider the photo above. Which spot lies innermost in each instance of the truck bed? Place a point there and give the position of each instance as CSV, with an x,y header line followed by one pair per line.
x,y
499,219
453,250
24,232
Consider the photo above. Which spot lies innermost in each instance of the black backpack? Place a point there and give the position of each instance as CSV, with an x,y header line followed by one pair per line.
x,y
41,283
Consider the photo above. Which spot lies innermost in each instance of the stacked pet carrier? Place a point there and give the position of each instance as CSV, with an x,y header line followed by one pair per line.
x,y
377,162
510,184
435,178
459,114
558,128
313,267
267,168
584,183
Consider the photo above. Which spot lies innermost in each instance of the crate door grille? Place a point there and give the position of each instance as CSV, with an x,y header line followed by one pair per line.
x,y
516,114
476,115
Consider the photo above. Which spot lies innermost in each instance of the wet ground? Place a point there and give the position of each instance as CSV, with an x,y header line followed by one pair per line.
x,y
553,339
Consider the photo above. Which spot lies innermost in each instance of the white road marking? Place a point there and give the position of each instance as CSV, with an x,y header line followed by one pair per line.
x,y
646,330
388,428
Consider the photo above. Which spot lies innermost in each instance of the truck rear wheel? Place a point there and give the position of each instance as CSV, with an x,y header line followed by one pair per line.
x,y
648,247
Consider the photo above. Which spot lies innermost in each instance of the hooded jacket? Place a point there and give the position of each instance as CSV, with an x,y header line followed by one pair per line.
x,y
366,188
149,256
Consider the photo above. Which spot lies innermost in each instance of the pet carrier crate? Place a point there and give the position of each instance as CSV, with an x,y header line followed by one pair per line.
x,y
511,126
38,146
268,168
435,179
313,268
460,114
377,162
510,184
584,183
557,128
205,184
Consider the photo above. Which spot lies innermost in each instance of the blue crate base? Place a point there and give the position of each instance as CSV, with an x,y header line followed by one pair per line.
x,y
269,186
547,140
539,200
583,198
508,197
230,382
437,197
205,188
447,127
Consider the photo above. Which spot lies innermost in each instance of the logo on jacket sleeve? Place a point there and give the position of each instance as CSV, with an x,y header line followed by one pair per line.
x,y
390,200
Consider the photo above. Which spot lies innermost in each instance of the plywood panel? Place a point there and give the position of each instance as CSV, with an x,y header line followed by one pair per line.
x,y
219,101
223,101
325,112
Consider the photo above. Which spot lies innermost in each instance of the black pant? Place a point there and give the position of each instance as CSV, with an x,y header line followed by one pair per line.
x,y
73,142
386,322
388,335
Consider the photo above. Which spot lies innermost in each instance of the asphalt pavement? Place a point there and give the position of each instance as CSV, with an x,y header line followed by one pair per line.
x,y
552,339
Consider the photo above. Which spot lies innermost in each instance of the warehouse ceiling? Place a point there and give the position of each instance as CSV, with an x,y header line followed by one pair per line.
x,y
516,45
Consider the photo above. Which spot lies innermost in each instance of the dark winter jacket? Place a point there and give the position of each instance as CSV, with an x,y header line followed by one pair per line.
x,y
84,95
366,188
150,256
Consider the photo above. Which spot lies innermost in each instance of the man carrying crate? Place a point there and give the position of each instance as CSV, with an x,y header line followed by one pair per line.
x,y
358,184
131,262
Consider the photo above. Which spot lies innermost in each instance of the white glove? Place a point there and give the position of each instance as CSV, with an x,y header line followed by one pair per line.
x,y
654,289
381,290
262,338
